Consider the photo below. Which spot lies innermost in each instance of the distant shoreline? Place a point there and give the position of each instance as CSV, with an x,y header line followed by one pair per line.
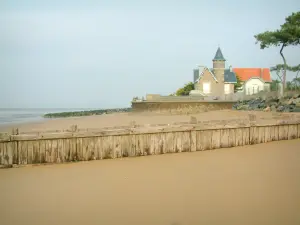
x,y
85,113
12,117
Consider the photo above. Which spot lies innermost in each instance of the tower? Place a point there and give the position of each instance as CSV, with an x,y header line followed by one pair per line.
x,y
219,65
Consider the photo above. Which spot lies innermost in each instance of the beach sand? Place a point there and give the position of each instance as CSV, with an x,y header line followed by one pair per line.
x,y
124,119
256,184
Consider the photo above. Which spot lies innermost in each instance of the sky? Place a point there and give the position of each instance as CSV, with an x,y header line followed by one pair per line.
x,y
100,54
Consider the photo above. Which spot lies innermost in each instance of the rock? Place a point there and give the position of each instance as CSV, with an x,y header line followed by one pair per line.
x,y
288,108
261,105
272,100
280,108
273,104
282,100
296,95
238,107
293,101
297,100
286,104
268,109
269,99
273,107
296,109
244,107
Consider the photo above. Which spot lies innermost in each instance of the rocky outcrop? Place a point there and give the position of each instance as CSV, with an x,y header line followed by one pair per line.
x,y
274,104
87,113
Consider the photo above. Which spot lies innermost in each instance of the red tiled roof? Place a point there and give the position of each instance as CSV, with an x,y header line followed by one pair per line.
x,y
247,73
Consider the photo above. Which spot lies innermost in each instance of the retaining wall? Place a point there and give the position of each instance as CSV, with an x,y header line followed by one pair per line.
x,y
24,149
180,107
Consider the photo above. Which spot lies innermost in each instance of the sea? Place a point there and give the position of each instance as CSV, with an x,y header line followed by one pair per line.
x,y
25,115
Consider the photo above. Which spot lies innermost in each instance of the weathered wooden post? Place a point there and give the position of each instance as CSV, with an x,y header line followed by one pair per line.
x,y
15,131
252,119
132,124
253,130
73,145
74,128
193,120
15,150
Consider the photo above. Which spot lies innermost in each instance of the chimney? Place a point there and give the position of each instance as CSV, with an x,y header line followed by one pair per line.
x,y
230,68
261,73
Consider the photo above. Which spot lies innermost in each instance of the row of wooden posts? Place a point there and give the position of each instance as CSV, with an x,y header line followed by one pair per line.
x,y
20,149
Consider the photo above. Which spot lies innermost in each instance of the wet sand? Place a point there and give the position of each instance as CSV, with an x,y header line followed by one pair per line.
x,y
124,119
258,184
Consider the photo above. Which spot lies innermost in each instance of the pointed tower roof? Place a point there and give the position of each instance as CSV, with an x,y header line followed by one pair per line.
x,y
219,55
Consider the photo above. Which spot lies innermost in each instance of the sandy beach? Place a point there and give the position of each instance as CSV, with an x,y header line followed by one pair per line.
x,y
124,119
244,185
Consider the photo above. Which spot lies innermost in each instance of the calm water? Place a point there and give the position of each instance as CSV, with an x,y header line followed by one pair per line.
x,y
16,116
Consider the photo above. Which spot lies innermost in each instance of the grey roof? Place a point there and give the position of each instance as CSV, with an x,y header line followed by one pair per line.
x,y
199,72
196,75
229,76
219,55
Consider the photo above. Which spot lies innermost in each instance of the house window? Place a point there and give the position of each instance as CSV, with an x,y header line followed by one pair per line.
x,y
206,88
227,89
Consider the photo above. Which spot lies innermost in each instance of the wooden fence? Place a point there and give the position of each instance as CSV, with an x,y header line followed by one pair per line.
x,y
20,149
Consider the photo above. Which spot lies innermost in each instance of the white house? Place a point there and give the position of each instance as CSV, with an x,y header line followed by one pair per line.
x,y
254,79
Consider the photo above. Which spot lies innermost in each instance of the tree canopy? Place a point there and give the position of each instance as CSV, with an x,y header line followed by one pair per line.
x,y
279,69
185,90
294,84
238,84
274,85
287,35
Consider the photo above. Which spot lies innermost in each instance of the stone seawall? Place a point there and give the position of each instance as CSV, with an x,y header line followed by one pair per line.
x,y
180,107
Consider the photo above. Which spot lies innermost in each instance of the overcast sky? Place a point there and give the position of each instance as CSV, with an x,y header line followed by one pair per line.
x,y
69,53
